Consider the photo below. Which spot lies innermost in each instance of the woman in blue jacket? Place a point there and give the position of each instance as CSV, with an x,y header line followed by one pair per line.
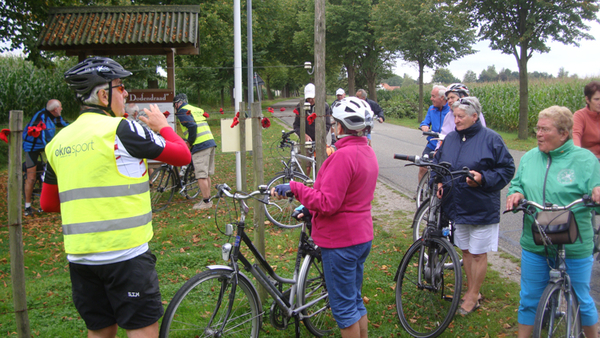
x,y
474,207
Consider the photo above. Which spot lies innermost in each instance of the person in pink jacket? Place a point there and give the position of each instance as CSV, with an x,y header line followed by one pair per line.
x,y
340,204
586,121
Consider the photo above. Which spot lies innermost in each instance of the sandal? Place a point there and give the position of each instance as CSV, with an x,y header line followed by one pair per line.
x,y
480,298
464,312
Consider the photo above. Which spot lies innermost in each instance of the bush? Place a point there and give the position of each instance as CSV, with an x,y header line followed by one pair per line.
x,y
400,103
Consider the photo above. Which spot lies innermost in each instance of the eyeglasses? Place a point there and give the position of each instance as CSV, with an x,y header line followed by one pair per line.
x,y
542,130
465,102
120,88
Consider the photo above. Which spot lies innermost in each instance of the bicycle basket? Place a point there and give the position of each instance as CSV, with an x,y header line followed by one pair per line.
x,y
559,226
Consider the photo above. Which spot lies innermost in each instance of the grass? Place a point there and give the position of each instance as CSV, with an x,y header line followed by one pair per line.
x,y
186,241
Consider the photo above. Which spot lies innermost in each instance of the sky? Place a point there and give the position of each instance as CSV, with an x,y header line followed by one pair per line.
x,y
583,61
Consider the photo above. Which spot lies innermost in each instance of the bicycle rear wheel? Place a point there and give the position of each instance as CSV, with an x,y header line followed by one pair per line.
x,y
552,318
423,189
319,320
191,189
427,291
279,212
199,308
162,187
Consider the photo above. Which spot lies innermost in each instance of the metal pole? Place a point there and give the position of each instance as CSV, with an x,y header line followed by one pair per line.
x,y
250,56
15,231
237,70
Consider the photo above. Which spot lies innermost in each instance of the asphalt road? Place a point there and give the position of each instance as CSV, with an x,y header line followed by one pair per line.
x,y
389,139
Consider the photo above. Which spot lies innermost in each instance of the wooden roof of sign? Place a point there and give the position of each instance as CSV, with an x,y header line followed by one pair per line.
x,y
121,30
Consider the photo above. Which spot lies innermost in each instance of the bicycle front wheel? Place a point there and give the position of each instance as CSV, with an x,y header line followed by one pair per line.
x,y
200,307
420,220
279,212
191,189
162,187
553,318
427,290
423,189
318,317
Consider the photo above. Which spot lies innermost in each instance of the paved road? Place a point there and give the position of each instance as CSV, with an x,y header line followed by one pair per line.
x,y
388,139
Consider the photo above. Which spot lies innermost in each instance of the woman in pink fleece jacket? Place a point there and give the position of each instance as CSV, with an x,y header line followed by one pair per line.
x,y
340,204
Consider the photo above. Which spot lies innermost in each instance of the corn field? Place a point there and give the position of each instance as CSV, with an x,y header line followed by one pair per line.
x,y
500,100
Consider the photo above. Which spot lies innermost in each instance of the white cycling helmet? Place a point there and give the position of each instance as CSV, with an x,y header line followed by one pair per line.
x,y
355,114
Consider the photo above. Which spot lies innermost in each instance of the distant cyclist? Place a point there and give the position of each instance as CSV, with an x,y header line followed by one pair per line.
x,y
37,133
433,120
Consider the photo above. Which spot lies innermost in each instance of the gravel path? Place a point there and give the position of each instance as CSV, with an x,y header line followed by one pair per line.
x,y
388,201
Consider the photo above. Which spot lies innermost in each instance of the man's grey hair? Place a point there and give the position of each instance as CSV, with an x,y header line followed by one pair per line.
x,y
469,105
132,108
441,91
362,94
52,104
94,99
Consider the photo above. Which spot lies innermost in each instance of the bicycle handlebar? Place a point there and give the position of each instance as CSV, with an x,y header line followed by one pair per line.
x,y
422,162
524,205
224,189
431,133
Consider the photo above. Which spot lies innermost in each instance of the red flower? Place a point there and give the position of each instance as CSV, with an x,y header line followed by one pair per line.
x,y
311,118
236,121
42,125
237,115
125,115
4,135
205,115
166,113
189,112
296,112
33,131
265,122
270,110
221,111
282,109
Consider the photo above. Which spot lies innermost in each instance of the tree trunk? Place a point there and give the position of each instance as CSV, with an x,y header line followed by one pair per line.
x,y
523,94
223,97
268,87
371,85
351,79
420,112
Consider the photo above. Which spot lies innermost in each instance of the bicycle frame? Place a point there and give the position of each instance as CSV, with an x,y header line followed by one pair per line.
x,y
293,161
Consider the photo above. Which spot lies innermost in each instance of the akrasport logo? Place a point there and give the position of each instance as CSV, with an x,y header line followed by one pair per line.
x,y
74,149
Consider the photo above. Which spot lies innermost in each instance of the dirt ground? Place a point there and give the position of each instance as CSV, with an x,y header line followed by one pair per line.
x,y
388,201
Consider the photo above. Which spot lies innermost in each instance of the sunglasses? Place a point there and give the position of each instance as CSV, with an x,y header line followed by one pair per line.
x,y
120,88
465,102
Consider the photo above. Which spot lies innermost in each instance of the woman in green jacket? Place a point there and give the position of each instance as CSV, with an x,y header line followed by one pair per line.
x,y
556,172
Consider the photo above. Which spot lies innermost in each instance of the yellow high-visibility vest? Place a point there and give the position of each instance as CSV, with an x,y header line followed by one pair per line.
x,y
101,209
203,132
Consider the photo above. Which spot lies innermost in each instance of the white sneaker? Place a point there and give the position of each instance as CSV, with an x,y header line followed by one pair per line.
x,y
202,205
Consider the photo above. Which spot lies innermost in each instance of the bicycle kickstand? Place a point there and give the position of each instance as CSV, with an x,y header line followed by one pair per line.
x,y
297,326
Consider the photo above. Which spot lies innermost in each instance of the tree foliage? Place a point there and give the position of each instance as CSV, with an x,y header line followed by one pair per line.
x,y
469,77
443,75
426,32
523,27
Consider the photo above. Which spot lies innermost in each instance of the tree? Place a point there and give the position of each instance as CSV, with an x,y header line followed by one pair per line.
x,y
443,75
562,73
426,32
488,75
522,27
394,81
470,77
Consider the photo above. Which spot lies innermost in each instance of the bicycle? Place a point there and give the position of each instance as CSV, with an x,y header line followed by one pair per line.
x,y
279,212
557,314
422,188
165,179
222,301
429,277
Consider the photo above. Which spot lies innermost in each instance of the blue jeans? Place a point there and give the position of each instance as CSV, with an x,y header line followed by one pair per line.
x,y
343,268
535,280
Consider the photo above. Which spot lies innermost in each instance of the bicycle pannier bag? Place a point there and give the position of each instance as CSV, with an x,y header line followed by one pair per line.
x,y
560,227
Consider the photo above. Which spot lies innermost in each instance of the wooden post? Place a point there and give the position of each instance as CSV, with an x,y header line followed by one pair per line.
x,y
259,215
15,231
320,97
171,70
243,145
303,112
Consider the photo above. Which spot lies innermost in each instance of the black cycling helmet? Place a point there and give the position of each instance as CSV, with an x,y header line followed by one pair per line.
x,y
92,72
180,98
458,88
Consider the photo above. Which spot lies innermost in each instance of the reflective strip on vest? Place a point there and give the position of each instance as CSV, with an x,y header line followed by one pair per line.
x,y
102,192
109,225
203,132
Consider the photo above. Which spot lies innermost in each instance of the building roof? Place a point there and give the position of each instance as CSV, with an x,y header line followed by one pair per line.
x,y
119,30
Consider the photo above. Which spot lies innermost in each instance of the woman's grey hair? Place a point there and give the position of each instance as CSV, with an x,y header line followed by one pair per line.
x,y
441,90
562,118
93,98
469,104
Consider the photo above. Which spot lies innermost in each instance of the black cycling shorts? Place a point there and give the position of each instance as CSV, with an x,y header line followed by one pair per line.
x,y
32,158
427,151
125,293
